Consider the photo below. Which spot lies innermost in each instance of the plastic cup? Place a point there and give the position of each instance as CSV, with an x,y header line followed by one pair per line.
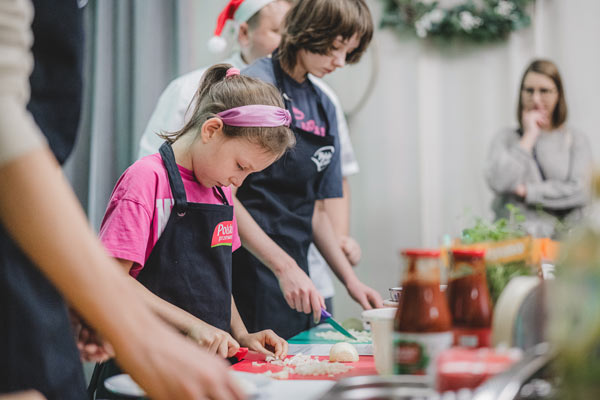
x,y
382,326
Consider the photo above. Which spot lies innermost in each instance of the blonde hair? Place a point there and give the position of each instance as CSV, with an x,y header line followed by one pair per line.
x,y
217,93
549,69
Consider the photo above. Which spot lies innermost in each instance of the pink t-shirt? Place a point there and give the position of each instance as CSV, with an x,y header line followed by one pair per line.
x,y
139,209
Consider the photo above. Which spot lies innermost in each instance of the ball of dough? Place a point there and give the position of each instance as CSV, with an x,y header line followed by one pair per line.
x,y
343,352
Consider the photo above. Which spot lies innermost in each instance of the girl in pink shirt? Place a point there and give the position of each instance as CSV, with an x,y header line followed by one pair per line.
x,y
170,220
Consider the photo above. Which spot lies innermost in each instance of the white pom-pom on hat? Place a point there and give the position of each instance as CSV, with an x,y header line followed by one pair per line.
x,y
217,44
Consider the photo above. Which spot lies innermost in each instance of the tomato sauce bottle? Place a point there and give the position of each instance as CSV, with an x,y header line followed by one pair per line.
x,y
469,299
422,327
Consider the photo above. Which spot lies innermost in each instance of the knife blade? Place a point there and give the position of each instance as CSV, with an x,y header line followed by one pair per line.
x,y
327,316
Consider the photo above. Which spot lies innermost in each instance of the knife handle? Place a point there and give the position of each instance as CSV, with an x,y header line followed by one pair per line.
x,y
325,313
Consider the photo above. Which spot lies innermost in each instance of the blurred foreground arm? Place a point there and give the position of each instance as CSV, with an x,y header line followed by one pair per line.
x,y
39,210
42,214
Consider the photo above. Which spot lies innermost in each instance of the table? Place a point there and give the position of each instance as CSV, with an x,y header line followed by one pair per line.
x,y
308,343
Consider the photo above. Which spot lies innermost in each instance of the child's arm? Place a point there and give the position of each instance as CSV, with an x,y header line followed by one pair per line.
x,y
259,341
298,290
327,244
215,340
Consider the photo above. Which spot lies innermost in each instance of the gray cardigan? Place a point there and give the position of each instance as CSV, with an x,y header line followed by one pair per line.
x,y
565,158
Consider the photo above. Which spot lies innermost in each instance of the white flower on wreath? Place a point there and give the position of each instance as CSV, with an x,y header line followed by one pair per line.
x,y
504,8
448,4
468,21
424,24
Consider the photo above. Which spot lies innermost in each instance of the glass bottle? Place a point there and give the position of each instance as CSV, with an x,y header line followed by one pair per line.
x,y
422,327
469,299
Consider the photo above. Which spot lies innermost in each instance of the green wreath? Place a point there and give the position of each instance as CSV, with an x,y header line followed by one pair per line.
x,y
473,20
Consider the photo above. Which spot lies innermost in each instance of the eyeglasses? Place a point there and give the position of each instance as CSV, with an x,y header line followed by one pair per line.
x,y
545,93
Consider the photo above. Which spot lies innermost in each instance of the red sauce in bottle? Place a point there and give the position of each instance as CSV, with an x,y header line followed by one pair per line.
x,y
469,299
423,322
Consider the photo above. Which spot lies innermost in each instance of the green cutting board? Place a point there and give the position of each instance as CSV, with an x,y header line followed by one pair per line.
x,y
310,336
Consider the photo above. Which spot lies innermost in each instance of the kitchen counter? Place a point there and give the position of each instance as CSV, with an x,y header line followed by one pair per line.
x,y
305,388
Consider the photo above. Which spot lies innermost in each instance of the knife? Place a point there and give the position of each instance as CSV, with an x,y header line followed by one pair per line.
x,y
327,317
239,356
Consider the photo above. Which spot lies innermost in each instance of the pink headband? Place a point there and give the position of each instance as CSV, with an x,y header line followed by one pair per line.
x,y
232,71
256,115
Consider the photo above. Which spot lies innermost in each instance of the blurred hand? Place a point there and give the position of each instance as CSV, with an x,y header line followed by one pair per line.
x,y
521,190
92,347
365,296
351,249
300,292
214,340
28,395
168,366
265,342
532,121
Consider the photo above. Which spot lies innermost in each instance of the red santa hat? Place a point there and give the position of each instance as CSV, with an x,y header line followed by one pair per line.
x,y
237,10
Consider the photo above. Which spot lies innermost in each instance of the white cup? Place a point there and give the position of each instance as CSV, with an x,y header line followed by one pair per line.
x,y
382,326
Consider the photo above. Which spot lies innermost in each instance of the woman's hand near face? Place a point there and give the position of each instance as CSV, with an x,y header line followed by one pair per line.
x,y
521,190
532,120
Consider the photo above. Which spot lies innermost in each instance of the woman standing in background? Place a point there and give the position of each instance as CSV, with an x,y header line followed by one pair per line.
x,y
544,166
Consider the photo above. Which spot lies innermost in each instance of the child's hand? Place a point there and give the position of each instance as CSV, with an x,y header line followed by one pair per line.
x,y
351,249
300,292
214,340
365,296
91,346
265,342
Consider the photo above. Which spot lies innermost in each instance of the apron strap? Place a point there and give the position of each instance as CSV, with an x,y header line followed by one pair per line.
x,y
278,71
220,194
177,188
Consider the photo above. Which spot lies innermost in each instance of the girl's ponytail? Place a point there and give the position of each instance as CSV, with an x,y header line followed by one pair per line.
x,y
214,74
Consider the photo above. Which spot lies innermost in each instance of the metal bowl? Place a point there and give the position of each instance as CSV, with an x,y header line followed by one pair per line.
x,y
393,387
395,293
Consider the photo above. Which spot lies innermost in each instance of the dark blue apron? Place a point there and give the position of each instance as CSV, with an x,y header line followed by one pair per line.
x,y
190,265
37,347
37,350
281,200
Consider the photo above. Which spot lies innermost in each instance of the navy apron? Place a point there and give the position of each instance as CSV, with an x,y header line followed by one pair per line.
x,y
190,265
281,200
37,347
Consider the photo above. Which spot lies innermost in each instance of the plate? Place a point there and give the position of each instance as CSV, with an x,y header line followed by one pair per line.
x,y
123,384
258,380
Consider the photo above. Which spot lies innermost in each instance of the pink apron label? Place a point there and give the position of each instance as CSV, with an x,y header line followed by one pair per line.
x,y
223,234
